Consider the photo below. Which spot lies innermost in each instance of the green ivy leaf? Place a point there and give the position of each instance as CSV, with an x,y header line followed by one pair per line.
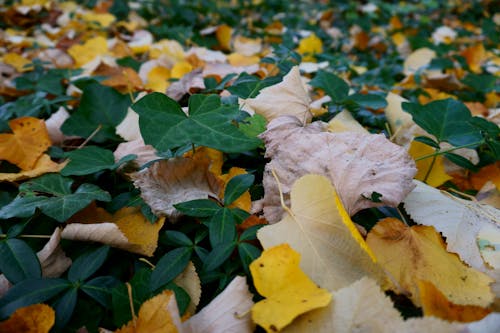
x,y
248,86
64,307
333,85
247,253
100,288
52,194
198,207
254,125
371,101
87,264
120,299
461,161
177,238
428,141
218,255
19,262
448,120
91,159
99,106
222,227
165,126
169,266
236,187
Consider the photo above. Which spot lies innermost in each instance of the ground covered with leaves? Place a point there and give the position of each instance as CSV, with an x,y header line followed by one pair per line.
x,y
249,166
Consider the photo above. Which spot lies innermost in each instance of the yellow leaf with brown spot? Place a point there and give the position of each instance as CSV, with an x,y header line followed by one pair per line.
x,y
244,201
419,253
17,61
434,303
26,144
288,290
157,79
310,46
87,52
36,318
434,174
157,315
42,166
223,35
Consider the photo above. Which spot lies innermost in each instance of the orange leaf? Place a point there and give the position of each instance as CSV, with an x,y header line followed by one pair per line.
x,y
488,173
27,143
223,35
36,318
475,56
42,166
434,303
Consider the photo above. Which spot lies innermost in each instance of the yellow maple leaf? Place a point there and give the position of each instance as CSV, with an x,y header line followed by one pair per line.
x,y
288,290
237,59
17,61
310,46
432,172
92,48
418,253
36,318
26,144
434,303
157,315
157,79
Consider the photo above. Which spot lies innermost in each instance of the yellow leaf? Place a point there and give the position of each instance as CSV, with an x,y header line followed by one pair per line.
x,y
17,61
418,59
157,79
180,69
236,60
345,122
103,19
310,46
244,201
190,282
28,142
487,173
419,253
475,56
92,48
36,318
288,290
157,315
318,227
223,35
42,166
437,175
434,303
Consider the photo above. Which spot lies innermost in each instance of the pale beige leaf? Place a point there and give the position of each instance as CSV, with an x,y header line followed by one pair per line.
x,y
145,153
333,253
52,257
359,307
229,312
345,122
129,126
190,282
189,82
54,123
418,59
458,220
176,180
488,240
288,97
402,126
430,324
5,285
247,46
349,159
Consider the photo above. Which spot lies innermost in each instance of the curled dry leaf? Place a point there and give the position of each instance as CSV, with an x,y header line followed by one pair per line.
x,y
127,229
460,221
228,312
418,253
145,153
54,124
318,227
289,97
358,164
190,282
176,180
190,81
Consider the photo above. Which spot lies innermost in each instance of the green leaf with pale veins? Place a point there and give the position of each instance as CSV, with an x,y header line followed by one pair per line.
x,y
333,85
52,194
165,126
91,159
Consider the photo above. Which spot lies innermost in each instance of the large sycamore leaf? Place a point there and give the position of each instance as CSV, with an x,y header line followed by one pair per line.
x,y
28,141
165,126
36,318
460,221
318,227
289,97
358,164
228,312
418,253
52,194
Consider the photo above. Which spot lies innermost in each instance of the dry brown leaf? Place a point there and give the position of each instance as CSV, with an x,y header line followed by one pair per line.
x,y
418,253
348,159
52,257
176,180
145,153
289,97
190,282
228,312
36,318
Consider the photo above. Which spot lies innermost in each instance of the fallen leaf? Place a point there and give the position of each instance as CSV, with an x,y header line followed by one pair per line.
x,y
145,153
403,129
418,253
288,291
489,195
190,282
475,56
223,35
87,52
228,312
434,303
487,173
52,258
289,97
247,46
17,61
42,166
457,219
54,123
127,229
244,201
345,122
358,307
430,170
157,315
104,20
348,159
28,142
318,227
176,180
36,318
418,59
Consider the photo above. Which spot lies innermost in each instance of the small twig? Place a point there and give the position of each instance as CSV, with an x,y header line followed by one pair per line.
x,y
428,173
465,195
91,136
131,303
147,262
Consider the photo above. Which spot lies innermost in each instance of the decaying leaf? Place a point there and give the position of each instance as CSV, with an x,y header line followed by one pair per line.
x,y
176,180
52,257
288,97
228,312
145,153
36,318
157,315
418,253
288,290
127,229
26,144
348,159
402,125
434,303
458,220
418,59
318,227
190,282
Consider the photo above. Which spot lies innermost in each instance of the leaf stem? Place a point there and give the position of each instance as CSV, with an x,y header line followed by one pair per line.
x,y
28,236
440,152
91,136
431,166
